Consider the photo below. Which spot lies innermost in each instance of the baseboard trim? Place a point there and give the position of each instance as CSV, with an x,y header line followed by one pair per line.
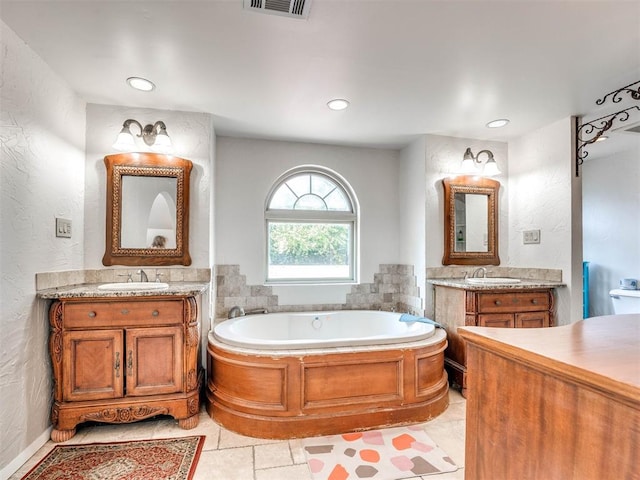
x,y
25,455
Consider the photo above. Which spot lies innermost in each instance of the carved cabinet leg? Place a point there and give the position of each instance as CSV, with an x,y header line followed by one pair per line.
x,y
62,435
189,422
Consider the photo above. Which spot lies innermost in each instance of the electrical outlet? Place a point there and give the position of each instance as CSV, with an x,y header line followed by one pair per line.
x,y
531,236
63,227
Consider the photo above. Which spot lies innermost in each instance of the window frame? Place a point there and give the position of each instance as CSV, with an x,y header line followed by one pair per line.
x,y
351,218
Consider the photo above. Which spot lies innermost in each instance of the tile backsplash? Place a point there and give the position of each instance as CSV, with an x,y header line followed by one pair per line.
x,y
68,278
393,288
459,271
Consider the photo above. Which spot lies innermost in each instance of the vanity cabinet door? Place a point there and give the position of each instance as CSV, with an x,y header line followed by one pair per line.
x,y
154,363
92,364
504,320
533,320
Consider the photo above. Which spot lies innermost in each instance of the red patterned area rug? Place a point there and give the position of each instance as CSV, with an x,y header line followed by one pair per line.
x,y
387,454
165,459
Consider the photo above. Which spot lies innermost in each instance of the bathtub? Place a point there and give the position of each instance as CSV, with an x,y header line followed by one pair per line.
x,y
345,328
291,375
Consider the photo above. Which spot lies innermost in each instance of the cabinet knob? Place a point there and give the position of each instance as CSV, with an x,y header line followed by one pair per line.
x,y
124,311
155,313
534,301
498,302
92,314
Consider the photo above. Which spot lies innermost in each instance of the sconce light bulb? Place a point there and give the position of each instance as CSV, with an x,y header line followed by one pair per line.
x,y
154,136
468,164
125,142
472,163
491,168
162,142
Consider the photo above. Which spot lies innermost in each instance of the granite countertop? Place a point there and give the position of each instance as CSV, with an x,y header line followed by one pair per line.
x,y
524,284
175,289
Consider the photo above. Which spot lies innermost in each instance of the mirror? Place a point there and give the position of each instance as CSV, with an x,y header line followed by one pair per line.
x,y
470,221
147,210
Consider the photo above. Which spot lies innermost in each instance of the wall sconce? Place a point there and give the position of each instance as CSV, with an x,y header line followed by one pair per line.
x,y
153,135
471,163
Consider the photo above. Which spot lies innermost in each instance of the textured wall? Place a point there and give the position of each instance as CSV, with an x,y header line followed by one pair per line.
x,y
611,209
191,135
443,158
42,177
412,210
246,170
542,191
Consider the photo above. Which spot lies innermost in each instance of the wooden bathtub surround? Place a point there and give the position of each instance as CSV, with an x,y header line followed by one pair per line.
x,y
570,408
266,395
508,308
119,360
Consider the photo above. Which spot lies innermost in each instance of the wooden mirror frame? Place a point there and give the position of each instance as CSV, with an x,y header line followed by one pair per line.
x,y
146,165
479,186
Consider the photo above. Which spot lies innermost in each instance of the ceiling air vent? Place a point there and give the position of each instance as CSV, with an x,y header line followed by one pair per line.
x,y
288,8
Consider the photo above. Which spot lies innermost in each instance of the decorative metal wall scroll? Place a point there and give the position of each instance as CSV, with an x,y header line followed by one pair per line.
x,y
590,132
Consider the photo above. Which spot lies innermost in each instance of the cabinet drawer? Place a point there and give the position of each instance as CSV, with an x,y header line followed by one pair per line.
x,y
512,302
122,313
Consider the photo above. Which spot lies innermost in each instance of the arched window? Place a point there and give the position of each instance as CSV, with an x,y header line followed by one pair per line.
x,y
311,219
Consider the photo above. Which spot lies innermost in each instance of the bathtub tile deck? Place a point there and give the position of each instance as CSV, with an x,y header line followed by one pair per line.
x,y
229,456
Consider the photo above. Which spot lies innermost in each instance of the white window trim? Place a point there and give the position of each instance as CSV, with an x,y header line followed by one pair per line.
x,y
312,216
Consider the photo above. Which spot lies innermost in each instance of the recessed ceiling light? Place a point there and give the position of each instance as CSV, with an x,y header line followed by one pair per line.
x,y
140,83
338,104
501,122
602,138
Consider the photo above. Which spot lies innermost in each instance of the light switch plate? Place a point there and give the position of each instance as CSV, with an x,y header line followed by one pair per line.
x,y
531,236
63,227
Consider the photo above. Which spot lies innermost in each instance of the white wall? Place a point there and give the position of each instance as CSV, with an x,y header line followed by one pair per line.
x,y
245,171
192,136
611,224
412,210
41,177
544,195
443,158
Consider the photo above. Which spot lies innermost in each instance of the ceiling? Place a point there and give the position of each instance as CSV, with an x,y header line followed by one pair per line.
x,y
407,67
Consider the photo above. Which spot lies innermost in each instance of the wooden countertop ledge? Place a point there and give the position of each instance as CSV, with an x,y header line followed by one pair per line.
x,y
601,353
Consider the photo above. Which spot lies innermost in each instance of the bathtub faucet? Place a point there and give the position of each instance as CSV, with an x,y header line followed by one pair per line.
x,y
241,312
235,312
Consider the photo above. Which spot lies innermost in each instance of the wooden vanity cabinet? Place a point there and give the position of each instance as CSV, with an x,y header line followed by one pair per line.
x,y
119,360
506,308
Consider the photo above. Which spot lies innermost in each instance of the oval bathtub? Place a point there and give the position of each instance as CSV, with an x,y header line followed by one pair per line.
x,y
275,331
291,375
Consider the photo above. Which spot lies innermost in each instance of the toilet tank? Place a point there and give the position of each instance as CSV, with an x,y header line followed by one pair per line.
x,y
625,301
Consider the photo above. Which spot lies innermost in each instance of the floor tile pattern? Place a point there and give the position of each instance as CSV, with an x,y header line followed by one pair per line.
x,y
229,456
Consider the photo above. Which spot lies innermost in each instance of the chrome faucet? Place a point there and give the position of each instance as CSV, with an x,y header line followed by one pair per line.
x,y
143,276
241,312
235,312
479,270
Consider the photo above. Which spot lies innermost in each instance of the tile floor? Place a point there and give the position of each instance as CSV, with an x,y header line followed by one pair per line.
x,y
229,456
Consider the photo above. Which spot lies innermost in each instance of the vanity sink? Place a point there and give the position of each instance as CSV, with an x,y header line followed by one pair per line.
x,y
492,280
133,286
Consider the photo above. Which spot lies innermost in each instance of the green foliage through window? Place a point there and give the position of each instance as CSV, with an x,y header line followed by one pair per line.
x,y
308,244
